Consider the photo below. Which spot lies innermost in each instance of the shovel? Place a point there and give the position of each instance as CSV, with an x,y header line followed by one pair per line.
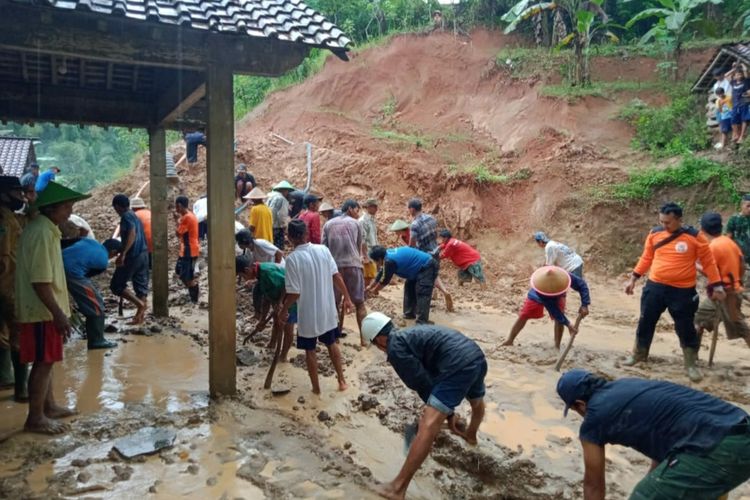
x,y
562,357
277,333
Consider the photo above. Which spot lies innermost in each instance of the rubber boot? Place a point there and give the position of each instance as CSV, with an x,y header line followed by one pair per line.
x,y
194,292
95,333
21,373
6,368
691,369
639,355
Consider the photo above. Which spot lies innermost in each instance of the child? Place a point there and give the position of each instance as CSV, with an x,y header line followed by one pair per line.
x,y
740,112
723,115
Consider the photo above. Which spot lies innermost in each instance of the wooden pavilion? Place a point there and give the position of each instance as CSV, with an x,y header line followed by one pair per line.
x,y
159,64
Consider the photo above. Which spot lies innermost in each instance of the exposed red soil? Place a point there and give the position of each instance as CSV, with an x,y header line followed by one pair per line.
x,y
453,111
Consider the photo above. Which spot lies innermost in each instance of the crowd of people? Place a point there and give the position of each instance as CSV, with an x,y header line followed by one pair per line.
x,y
308,264
732,103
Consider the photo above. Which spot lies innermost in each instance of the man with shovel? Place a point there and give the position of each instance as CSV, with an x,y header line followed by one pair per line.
x,y
444,367
730,264
549,286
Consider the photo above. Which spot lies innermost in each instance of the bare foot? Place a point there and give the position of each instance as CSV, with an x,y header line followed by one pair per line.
x,y
343,386
59,412
46,426
449,302
507,343
139,317
389,491
316,390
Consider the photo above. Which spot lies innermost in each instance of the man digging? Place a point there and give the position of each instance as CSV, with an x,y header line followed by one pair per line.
x,y
132,263
42,307
444,367
699,445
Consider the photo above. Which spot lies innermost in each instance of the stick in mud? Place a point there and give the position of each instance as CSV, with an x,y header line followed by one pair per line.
x,y
277,336
564,354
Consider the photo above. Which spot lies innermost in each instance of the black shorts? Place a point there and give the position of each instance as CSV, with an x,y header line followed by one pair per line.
x,y
185,268
328,338
134,269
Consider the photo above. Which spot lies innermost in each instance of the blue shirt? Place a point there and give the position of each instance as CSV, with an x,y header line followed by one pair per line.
x,y
425,355
130,222
551,304
43,180
404,262
85,258
657,418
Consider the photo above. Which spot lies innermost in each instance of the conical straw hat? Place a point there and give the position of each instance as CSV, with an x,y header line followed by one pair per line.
x,y
550,281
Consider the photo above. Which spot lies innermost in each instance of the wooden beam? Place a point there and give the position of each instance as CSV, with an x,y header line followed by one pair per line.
x,y
222,301
180,97
135,78
53,69
79,34
110,72
24,68
24,103
82,73
158,188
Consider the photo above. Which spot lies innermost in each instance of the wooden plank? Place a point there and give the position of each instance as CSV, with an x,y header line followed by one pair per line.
x,y
24,68
74,33
159,213
171,107
135,79
110,70
222,340
20,102
82,73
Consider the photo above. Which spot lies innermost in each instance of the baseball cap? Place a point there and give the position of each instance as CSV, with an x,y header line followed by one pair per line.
x,y
541,236
572,386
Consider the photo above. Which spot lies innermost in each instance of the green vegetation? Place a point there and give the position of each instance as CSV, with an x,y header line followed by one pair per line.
x,y
598,89
691,171
417,139
677,128
485,175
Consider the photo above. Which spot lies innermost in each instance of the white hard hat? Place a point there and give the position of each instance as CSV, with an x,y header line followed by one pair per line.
x,y
373,324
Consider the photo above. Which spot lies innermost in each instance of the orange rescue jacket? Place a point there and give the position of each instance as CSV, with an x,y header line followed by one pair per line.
x,y
673,263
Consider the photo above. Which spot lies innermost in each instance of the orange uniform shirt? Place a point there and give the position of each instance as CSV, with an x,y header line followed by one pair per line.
x,y
144,215
728,257
187,230
673,264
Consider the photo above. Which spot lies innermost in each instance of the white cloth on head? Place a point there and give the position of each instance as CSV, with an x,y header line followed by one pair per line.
x,y
725,84
81,222
309,273
560,255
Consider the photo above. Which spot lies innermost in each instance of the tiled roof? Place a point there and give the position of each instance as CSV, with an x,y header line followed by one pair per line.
x,y
14,154
286,20
724,57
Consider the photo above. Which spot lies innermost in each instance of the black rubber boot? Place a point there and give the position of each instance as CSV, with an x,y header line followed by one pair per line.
x,y
194,292
95,333
21,373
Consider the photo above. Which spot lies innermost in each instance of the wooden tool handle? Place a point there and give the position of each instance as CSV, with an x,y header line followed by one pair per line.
x,y
564,354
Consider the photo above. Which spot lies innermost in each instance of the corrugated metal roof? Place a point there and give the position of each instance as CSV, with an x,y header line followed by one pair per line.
x,y
15,154
286,20
725,56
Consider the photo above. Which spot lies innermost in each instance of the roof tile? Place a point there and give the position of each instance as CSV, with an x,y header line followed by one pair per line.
x,y
278,19
14,154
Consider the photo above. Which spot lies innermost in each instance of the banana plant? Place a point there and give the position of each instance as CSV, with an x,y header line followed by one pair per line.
x,y
586,19
674,17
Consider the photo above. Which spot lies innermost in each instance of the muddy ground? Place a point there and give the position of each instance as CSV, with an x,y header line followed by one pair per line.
x,y
339,444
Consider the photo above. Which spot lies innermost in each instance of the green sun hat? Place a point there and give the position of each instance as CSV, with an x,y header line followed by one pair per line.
x,y
57,193
399,225
283,185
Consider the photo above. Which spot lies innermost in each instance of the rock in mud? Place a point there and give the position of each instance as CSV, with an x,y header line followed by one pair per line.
x,y
155,329
211,481
246,357
323,416
84,477
122,472
367,401
347,445
193,469
301,400
110,328
250,470
146,441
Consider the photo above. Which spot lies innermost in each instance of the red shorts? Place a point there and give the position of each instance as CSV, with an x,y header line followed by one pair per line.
x,y
40,342
534,310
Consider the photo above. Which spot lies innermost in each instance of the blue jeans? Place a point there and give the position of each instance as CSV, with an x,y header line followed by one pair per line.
x,y
466,383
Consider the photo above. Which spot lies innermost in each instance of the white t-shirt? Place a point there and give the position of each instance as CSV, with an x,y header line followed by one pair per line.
x,y
309,272
265,251
200,209
560,255
725,84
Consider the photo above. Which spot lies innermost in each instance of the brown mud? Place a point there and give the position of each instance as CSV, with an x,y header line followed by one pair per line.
x,y
450,110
